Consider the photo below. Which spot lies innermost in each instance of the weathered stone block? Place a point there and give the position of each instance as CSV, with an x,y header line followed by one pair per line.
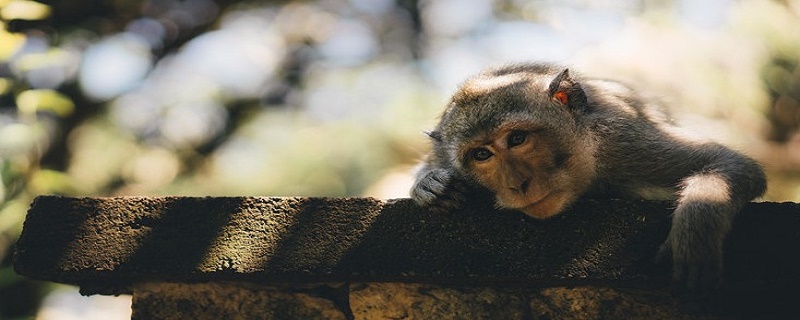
x,y
227,301
420,301
607,303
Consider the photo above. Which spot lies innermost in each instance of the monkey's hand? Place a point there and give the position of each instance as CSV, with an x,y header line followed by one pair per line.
x,y
695,245
439,190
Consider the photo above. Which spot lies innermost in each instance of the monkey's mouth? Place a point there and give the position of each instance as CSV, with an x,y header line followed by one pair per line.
x,y
546,206
538,199
520,202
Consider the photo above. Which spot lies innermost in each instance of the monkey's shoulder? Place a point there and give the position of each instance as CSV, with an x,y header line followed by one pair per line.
x,y
612,99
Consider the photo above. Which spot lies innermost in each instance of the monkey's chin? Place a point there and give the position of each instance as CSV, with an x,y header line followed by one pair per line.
x,y
548,206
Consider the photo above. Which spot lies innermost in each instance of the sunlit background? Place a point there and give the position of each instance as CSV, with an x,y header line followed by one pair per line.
x,y
330,97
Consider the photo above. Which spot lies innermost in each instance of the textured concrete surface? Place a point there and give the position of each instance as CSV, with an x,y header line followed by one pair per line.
x,y
106,244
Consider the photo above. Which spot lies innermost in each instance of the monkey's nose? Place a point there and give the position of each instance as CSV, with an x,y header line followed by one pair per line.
x,y
522,187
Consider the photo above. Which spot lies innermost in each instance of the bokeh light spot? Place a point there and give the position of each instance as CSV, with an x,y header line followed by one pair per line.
x,y
114,66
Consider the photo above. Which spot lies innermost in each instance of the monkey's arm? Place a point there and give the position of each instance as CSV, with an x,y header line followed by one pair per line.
x,y
713,183
708,199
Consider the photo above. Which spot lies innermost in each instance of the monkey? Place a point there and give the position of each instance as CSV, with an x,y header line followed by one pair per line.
x,y
537,137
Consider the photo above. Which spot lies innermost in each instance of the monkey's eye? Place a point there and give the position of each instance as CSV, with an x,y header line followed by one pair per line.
x,y
516,138
480,154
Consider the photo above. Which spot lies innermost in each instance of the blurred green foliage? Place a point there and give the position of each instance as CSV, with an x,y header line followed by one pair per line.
x,y
330,97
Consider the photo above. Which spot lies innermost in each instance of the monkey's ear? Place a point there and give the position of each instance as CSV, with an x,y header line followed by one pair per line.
x,y
435,135
567,91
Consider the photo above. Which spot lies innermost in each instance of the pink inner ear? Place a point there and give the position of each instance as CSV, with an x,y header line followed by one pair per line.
x,y
561,97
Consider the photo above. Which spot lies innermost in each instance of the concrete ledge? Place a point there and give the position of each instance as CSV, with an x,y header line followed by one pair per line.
x,y
105,245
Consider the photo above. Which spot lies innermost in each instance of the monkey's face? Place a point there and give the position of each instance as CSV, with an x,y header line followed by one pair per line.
x,y
526,168
516,131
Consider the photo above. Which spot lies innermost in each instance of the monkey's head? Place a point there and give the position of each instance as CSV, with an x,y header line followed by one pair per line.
x,y
517,131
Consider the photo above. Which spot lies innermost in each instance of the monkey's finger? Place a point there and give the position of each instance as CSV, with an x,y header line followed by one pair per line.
x,y
692,279
704,277
441,176
423,196
458,186
448,203
679,269
664,254
436,209
428,190
458,196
